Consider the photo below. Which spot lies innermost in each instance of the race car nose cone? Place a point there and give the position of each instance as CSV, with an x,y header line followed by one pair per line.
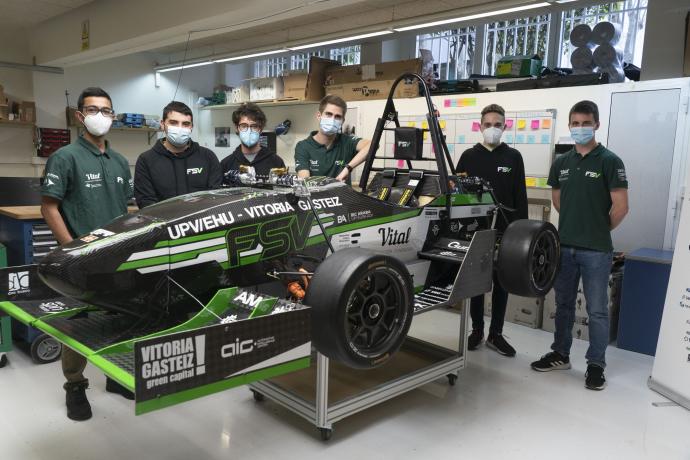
x,y
62,272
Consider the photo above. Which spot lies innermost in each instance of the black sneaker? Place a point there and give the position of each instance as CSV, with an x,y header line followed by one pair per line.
x,y
78,407
498,343
594,378
475,339
552,361
111,386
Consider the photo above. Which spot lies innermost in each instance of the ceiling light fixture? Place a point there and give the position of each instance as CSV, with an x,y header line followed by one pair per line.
x,y
253,55
472,16
340,40
186,66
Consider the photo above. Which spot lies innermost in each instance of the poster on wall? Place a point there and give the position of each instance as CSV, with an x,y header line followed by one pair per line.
x,y
671,372
223,136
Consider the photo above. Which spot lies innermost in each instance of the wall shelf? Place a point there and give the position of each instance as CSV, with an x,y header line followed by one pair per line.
x,y
261,104
150,132
17,124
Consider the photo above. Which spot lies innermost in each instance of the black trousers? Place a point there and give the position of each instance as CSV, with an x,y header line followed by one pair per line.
x,y
499,301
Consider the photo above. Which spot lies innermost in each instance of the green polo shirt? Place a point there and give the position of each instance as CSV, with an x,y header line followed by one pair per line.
x,y
320,161
93,187
586,183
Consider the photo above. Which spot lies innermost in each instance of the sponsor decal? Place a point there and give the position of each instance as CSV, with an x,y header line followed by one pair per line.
x,y
622,175
564,174
448,253
504,169
404,144
270,209
322,203
238,348
455,226
200,225
393,237
339,162
49,182
435,229
90,177
173,361
54,176
593,174
93,180
88,238
120,180
458,245
51,307
193,171
360,215
313,164
248,299
18,283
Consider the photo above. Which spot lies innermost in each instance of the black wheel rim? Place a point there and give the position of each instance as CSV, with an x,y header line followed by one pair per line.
x,y
376,312
48,349
545,260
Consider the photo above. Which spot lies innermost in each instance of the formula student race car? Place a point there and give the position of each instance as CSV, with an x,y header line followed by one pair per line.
x,y
215,289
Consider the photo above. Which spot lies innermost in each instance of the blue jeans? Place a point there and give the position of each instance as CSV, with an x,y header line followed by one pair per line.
x,y
595,269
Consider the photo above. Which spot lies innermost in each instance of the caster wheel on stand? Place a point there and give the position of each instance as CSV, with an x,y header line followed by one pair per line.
x,y
258,397
326,433
452,378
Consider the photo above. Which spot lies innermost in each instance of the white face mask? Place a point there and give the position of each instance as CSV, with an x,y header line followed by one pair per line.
x,y
492,136
98,125
178,136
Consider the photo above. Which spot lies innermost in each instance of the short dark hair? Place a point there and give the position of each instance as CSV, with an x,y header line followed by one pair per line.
x,y
587,108
92,91
493,108
251,111
179,107
335,100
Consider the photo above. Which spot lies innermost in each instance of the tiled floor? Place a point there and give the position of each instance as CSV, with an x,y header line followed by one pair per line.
x,y
499,409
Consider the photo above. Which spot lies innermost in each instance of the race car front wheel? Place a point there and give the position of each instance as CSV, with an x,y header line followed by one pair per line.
x,y
362,305
528,258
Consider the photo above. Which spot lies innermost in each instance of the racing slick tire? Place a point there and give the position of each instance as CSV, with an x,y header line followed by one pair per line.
x,y
528,258
362,306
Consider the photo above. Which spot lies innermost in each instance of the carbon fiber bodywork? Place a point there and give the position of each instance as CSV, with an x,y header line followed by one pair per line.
x,y
150,263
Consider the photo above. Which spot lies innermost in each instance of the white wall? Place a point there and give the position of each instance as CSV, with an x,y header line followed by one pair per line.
x,y
15,142
664,41
129,81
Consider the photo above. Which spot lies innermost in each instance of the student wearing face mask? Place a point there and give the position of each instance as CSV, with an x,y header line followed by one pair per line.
x,y
502,166
85,185
328,152
249,121
589,189
176,165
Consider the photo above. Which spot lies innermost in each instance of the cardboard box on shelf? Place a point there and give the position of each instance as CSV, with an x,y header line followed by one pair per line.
x,y
27,111
265,89
338,74
375,89
307,86
238,94
4,112
518,66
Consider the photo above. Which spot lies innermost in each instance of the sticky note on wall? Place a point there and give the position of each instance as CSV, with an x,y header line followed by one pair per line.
x,y
546,123
411,124
520,139
509,123
442,124
521,124
531,139
475,126
535,124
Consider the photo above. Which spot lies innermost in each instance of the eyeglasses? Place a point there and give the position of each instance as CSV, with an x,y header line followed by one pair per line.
x,y
93,110
244,127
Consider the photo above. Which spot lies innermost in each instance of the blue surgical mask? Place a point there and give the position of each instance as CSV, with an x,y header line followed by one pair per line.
x,y
330,126
582,134
249,137
178,136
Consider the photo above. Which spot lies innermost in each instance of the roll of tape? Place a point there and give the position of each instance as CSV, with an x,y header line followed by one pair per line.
x,y
581,35
607,56
606,32
581,58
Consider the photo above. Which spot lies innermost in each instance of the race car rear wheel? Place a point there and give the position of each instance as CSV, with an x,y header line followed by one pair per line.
x,y
528,258
362,306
